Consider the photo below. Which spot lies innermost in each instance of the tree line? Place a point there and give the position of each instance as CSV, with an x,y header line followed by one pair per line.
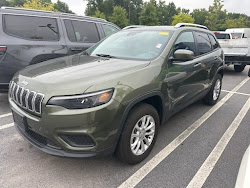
x,y
137,12
59,6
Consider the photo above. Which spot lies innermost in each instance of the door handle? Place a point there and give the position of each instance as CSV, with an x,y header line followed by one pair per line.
x,y
197,64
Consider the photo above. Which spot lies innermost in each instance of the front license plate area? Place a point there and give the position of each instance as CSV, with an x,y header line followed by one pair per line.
x,y
20,120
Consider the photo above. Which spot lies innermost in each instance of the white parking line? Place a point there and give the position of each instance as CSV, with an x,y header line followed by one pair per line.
x,y
135,178
206,168
236,92
5,115
6,126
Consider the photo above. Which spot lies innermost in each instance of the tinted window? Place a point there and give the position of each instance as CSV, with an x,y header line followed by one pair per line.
x,y
213,42
80,31
222,36
204,44
185,41
31,27
109,30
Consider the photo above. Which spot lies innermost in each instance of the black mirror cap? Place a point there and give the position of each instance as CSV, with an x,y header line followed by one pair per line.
x,y
249,72
184,55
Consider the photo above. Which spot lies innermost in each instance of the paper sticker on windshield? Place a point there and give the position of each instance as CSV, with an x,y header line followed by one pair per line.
x,y
158,45
164,33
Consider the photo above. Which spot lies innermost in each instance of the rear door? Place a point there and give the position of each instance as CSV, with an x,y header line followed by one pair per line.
x,y
209,57
28,39
81,35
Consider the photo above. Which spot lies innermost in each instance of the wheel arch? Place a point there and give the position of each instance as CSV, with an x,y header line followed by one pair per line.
x,y
154,98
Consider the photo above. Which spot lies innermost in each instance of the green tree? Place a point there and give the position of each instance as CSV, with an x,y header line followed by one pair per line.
x,y
148,15
216,17
162,13
185,18
119,17
62,7
17,3
4,3
37,4
134,8
99,14
235,23
171,11
200,16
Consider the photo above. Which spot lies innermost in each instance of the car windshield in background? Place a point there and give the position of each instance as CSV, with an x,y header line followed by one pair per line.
x,y
137,44
222,36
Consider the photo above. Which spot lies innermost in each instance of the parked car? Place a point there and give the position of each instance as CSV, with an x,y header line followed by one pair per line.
x,y
236,48
243,180
115,97
238,33
31,36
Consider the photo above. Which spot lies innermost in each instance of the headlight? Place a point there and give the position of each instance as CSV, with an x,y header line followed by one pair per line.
x,y
87,100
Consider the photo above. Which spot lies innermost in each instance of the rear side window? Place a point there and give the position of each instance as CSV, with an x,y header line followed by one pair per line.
x,y
31,27
203,43
81,31
214,43
109,30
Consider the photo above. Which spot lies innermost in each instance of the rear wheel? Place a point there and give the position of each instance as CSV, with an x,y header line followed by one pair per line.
x,y
213,95
239,68
139,134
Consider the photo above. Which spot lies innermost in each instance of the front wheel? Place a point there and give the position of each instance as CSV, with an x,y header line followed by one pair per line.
x,y
214,93
139,134
239,68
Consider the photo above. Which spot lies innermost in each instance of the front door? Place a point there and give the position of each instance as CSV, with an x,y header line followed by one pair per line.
x,y
185,79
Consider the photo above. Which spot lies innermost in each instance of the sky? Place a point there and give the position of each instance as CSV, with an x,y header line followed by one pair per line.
x,y
237,6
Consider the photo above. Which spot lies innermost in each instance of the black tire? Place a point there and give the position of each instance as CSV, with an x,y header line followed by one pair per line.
x,y
209,98
124,151
239,68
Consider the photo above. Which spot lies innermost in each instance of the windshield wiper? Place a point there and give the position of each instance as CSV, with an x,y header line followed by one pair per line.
x,y
105,55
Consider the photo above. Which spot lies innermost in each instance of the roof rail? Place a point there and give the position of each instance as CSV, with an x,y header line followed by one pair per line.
x,y
25,9
44,11
74,15
190,24
133,26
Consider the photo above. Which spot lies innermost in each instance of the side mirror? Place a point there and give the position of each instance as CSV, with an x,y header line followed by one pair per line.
x,y
249,73
183,55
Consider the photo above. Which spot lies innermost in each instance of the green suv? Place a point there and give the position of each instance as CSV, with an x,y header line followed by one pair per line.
x,y
113,97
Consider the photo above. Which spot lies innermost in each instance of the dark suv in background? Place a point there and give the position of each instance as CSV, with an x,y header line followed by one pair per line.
x,y
31,36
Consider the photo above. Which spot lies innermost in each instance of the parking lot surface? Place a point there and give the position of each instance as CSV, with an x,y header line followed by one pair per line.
x,y
201,146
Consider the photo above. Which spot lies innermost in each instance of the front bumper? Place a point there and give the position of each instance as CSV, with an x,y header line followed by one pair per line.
x,y
57,151
100,124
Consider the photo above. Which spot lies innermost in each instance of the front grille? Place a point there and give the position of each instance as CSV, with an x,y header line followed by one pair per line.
x,y
29,100
37,137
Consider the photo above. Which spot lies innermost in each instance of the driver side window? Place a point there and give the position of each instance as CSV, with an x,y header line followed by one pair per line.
x,y
185,42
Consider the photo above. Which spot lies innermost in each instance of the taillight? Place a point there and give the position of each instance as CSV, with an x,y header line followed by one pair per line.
x,y
3,49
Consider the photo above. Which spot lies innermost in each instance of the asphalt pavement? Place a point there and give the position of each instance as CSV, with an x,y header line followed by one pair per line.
x,y
201,146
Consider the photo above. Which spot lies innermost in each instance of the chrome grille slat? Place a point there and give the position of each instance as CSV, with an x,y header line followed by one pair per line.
x,y
29,100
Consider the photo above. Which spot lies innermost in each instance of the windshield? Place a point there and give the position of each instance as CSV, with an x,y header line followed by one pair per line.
x,y
222,35
236,35
136,44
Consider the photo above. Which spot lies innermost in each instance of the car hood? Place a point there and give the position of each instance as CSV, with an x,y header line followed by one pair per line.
x,y
75,74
